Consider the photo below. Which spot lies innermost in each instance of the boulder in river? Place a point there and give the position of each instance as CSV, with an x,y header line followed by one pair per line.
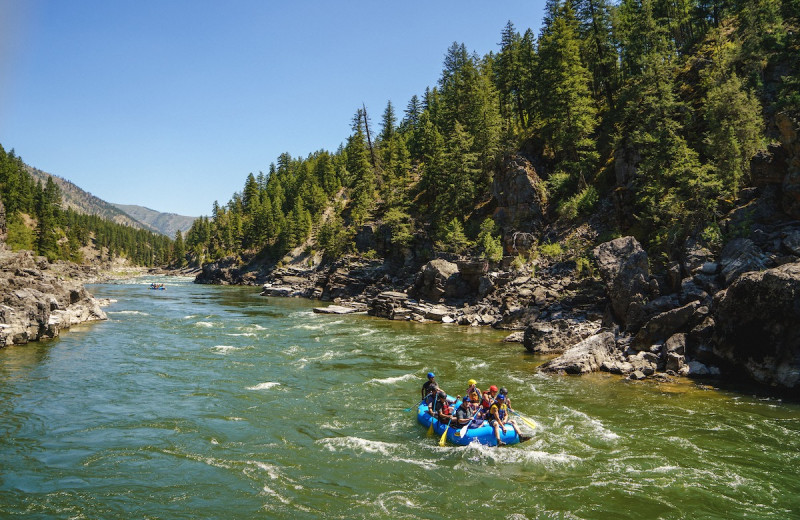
x,y
585,357
757,325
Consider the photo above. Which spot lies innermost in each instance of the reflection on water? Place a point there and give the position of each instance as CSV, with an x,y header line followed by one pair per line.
x,y
213,402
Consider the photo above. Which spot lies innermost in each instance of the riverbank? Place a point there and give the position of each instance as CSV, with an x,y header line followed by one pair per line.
x,y
40,299
723,314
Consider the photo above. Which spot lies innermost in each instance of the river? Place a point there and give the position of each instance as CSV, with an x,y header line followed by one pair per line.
x,y
214,402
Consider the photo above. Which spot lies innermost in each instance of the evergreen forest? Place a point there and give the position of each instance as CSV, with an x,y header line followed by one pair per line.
x,y
686,86
36,221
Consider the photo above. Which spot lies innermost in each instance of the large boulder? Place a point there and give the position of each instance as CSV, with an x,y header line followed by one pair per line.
x,y
623,265
433,280
556,336
757,328
739,256
587,356
663,325
520,194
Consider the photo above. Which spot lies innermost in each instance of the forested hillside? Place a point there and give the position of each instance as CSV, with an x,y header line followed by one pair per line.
x,y
36,221
655,106
73,197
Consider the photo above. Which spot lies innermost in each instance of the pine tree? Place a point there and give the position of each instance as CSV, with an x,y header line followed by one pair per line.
x,y
566,103
179,252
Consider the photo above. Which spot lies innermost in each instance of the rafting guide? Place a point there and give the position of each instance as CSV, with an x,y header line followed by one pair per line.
x,y
482,417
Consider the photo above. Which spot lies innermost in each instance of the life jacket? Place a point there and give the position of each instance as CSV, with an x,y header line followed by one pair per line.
x,y
502,410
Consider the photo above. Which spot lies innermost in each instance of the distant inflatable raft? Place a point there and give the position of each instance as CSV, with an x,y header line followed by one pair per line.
x,y
483,434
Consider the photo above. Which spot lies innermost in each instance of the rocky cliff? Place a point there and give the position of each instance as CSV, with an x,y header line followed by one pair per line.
x,y
39,299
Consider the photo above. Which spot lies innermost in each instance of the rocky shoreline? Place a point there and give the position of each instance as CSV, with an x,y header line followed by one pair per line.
x,y
39,299
725,304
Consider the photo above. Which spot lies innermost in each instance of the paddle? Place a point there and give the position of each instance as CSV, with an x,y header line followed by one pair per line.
x,y
526,420
463,430
430,427
444,434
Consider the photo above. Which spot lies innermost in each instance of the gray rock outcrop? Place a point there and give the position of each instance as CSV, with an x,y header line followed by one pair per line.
x,y
587,356
520,194
39,299
624,268
757,325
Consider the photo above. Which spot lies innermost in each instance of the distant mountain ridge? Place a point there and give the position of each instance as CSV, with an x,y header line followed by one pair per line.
x,y
82,201
164,223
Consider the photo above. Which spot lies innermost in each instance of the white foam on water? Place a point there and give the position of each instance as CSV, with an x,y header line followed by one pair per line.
x,y
204,324
294,349
391,380
247,334
132,313
235,418
335,425
517,455
215,442
272,471
190,317
252,326
318,326
397,497
268,491
596,425
224,349
358,444
263,386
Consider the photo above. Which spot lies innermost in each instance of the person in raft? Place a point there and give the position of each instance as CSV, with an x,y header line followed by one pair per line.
x,y
469,412
426,386
473,387
499,417
488,400
442,409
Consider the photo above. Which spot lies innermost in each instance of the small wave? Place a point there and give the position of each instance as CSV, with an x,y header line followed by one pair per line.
x,y
133,313
246,334
252,326
272,471
190,317
391,380
224,349
358,444
263,386
318,326
269,491
514,455
204,324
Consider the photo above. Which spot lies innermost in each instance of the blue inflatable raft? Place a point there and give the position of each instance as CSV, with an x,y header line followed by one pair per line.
x,y
483,434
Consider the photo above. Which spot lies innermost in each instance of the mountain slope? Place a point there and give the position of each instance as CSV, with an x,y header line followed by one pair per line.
x,y
164,223
75,198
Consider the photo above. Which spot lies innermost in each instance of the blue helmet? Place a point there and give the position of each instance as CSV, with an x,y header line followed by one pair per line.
x,y
430,375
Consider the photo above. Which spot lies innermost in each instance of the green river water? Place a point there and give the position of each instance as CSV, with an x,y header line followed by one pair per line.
x,y
214,402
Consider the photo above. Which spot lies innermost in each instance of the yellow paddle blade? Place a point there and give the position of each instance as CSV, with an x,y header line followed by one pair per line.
x,y
527,421
430,429
444,436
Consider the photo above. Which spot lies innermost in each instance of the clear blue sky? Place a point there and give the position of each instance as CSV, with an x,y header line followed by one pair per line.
x,y
170,104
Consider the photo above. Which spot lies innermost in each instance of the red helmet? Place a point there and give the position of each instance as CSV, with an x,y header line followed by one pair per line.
x,y
493,388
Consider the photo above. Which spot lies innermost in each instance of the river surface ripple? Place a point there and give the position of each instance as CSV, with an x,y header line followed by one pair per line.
x,y
213,402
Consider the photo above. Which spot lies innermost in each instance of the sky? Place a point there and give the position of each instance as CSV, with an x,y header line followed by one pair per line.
x,y
169,104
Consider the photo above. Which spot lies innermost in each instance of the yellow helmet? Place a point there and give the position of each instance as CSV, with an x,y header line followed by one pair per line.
x,y
472,382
